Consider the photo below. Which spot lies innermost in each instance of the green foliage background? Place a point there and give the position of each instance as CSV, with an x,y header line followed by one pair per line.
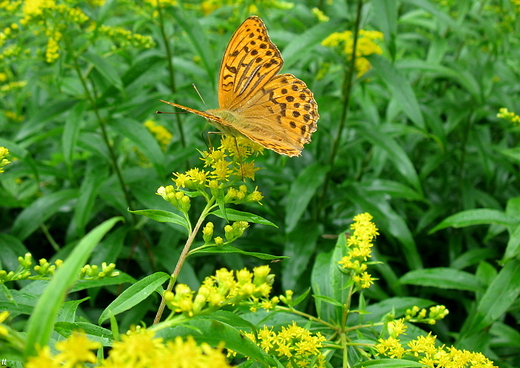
x,y
420,148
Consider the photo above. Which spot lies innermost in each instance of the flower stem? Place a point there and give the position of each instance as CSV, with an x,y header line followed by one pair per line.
x,y
169,60
183,257
347,85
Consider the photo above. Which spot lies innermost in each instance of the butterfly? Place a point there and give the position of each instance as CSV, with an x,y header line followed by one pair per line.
x,y
277,111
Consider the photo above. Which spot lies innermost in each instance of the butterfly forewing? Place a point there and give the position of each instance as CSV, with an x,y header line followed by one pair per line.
x,y
249,62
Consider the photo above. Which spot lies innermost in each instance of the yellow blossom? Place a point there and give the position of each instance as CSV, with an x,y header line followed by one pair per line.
x,y
292,343
43,359
510,116
365,47
3,330
138,347
162,134
3,161
76,349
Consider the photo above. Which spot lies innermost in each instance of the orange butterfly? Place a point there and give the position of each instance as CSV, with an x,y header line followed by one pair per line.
x,y
277,111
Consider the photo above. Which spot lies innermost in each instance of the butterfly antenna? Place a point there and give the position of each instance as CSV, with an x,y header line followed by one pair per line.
x,y
170,112
200,96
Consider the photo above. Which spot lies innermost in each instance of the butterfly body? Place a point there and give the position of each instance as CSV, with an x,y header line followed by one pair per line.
x,y
277,111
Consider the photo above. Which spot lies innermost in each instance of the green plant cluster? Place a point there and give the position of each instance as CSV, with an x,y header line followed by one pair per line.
x,y
419,108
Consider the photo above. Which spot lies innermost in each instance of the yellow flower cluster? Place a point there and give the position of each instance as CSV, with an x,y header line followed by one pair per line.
x,y
154,3
8,87
209,6
44,270
218,182
60,19
294,346
225,288
359,250
11,115
138,348
10,31
97,3
52,53
238,149
430,316
365,47
73,352
123,37
318,13
162,134
232,232
3,161
3,330
177,198
504,113
425,350
10,5
93,272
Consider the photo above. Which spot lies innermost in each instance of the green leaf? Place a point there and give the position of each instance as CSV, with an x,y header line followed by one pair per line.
x,y
498,298
12,248
444,278
398,305
40,211
328,300
387,219
134,295
513,245
104,68
41,322
512,153
307,40
94,178
69,139
302,191
163,216
234,215
137,133
394,189
16,150
482,216
329,282
389,363
464,79
199,40
88,284
300,246
93,332
213,332
230,249
400,88
395,152
386,13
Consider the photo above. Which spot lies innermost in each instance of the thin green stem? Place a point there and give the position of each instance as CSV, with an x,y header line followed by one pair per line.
x,y
343,330
184,255
169,59
307,316
347,86
102,125
49,237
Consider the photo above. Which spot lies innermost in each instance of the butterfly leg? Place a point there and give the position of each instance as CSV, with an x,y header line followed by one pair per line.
x,y
209,143
239,157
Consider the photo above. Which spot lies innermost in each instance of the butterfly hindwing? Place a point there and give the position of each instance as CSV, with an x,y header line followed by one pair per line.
x,y
281,116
